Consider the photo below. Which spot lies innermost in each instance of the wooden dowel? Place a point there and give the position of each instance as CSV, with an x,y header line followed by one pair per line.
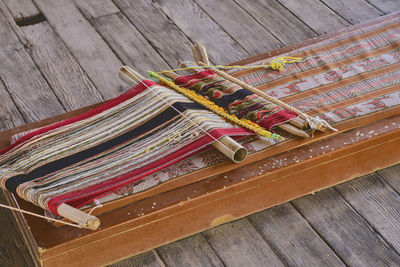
x,y
127,74
293,130
200,53
320,126
299,123
284,126
83,219
229,147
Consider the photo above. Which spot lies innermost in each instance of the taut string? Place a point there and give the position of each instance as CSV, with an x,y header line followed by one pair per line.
x,y
41,216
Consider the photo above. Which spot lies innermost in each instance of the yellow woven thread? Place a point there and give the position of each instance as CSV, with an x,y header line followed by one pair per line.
x,y
216,109
276,64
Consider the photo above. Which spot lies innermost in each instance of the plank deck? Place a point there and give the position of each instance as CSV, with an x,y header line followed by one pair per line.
x,y
59,55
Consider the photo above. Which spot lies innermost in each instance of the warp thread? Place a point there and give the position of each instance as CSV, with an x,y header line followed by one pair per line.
x,y
215,108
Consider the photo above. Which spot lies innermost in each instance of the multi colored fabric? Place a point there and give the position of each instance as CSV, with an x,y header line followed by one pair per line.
x,y
350,79
236,100
116,144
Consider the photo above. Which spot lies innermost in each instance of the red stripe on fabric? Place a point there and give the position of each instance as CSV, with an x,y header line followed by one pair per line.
x,y
81,197
110,104
193,78
279,117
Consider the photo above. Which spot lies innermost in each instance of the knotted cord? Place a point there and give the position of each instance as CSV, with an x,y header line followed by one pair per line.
x,y
216,109
276,64
314,122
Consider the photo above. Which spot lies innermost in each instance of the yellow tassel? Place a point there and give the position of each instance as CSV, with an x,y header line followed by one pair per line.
x,y
216,109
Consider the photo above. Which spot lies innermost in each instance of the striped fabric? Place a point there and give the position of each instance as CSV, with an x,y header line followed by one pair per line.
x,y
236,100
114,145
350,80
342,79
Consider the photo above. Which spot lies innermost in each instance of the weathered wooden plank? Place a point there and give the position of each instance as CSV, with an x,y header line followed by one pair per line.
x,y
278,20
12,248
9,113
347,233
392,176
24,82
365,11
160,32
293,238
191,251
316,15
253,37
87,46
129,44
96,8
198,26
147,259
378,203
71,85
239,244
386,6
21,9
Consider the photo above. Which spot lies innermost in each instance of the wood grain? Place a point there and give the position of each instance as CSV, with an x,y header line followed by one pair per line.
x,y
21,9
87,46
365,11
392,176
147,259
12,248
70,83
316,15
240,238
347,233
293,238
96,8
221,47
23,80
191,251
9,113
163,35
378,203
278,20
243,28
386,6
129,44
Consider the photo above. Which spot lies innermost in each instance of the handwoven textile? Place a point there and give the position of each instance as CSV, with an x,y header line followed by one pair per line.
x,y
122,141
350,79
236,100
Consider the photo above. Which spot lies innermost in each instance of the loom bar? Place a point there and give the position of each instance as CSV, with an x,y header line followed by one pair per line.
x,y
226,145
85,220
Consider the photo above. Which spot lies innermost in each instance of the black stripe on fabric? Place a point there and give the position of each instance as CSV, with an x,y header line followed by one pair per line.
x,y
226,100
13,182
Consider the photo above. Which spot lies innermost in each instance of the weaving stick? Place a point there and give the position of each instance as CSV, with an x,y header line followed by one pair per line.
x,y
83,219
200,53
315,123
229,147
284,126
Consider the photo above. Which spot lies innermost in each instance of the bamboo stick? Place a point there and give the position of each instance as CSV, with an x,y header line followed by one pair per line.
x,y
200,55
229,147
201,52
83,219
